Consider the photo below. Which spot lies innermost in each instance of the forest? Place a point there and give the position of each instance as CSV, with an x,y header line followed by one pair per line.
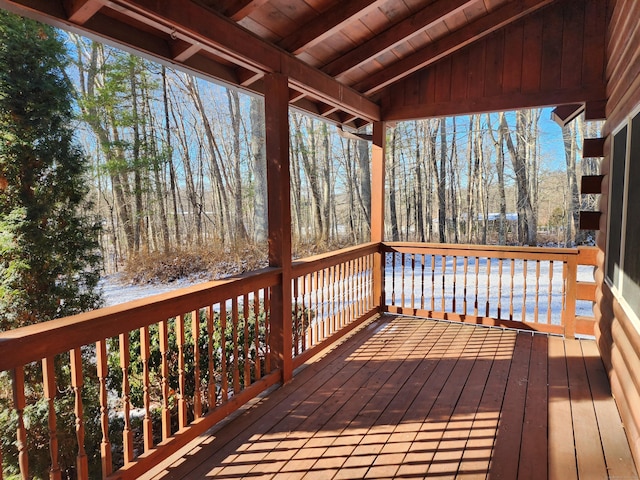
x,y
178,169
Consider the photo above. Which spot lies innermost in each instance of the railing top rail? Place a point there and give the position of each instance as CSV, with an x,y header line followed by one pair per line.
x,y
478,250
324,260
32,343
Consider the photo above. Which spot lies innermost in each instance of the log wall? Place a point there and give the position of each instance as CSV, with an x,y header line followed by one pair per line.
x,y
554,56
618,334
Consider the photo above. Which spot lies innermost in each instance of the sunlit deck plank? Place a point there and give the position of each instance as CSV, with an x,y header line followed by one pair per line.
x,y
616,449
533,451
562,458
412,398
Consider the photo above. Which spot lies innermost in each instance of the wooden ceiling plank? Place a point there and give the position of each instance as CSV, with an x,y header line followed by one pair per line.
x,y
391,37
80,11
476,30
195,24
325,25
237,10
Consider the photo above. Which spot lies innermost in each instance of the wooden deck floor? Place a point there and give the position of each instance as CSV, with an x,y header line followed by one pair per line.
x,y
411,398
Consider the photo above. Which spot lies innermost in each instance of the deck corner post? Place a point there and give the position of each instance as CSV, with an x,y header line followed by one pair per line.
x,y
377,209
569,314
276,104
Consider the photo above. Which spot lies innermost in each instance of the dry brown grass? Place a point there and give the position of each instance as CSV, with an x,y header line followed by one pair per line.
x,y
209,262
204,263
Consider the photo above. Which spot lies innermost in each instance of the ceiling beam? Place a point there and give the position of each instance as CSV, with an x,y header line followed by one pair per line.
x,y
385,41
326,25
435,51
194,24
182,51
80,11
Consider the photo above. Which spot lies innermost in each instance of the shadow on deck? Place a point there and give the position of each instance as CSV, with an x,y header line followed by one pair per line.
x,y
414,398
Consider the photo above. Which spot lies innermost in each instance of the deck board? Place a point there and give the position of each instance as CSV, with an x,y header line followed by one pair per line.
x,y
413,398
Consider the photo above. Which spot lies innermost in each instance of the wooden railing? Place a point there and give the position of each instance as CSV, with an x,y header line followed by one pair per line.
x,y
332,293
518,287
153,374
149,376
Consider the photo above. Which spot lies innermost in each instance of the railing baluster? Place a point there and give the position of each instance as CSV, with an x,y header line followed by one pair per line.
x,y
267,328
524,290
362,285
182,383
164,372
422,262
537,297
413,281
476,304
443,261
223,347
320,307
433,283
402,292
103,370
488,286
236,349
341,302
127,434
550,293
499,288
77,384
350,291
466,271
335,298
256,333
303,315
147,433
211,386
370,262
197,382
49,384
247,358
306,321
19,403
296,316
455,275
511,291
316,305
393,278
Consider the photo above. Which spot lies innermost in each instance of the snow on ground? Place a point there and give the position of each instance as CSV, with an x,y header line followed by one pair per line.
x,y
115,291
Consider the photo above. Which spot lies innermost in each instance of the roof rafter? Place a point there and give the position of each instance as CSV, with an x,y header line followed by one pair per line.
x,y
193,24
80,11
326,25
384,41
433,52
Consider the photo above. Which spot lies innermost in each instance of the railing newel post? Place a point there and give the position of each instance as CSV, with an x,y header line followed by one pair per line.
x,y
569,314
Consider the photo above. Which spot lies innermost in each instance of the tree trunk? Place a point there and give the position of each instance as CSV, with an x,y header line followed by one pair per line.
x,y
395,235
259,170
234,111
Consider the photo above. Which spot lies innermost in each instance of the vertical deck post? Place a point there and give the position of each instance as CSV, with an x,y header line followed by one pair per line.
x,y
279,205
569,319
377,209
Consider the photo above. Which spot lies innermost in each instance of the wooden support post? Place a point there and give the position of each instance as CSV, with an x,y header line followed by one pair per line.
x,y
377,209
569,319
279,204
